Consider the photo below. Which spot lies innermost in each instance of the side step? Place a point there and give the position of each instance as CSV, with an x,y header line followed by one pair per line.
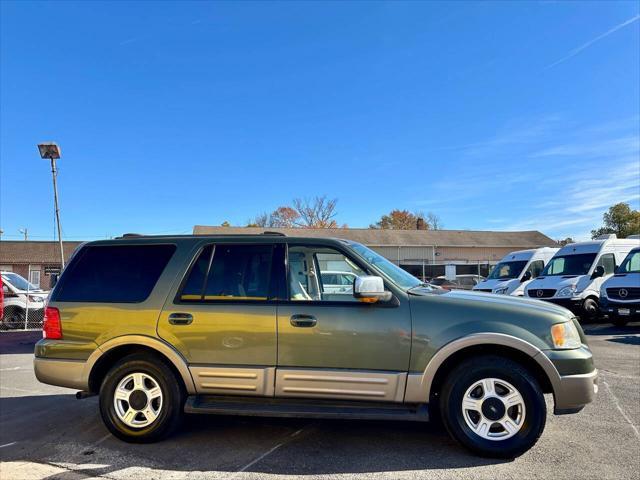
x,y
302,407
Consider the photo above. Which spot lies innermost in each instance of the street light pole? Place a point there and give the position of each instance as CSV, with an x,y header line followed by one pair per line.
x,y
54,173
51,151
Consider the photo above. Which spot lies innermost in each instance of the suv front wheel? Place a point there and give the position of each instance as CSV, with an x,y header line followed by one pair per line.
x,y
141,400
493,406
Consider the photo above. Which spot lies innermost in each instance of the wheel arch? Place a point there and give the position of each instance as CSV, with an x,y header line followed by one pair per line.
x,y
103,358
424,386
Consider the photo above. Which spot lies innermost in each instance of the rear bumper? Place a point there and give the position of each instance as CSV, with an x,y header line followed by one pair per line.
x,y
62,373
573,392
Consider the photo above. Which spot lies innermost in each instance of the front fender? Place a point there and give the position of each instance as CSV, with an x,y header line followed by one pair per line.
x,y
419,384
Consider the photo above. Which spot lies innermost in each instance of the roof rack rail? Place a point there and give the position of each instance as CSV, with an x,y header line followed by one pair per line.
x,y
130,235
279,234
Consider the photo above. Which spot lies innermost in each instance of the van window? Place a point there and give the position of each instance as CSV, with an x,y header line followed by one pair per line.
x,y
631,264
113,273
608,261
578,264
536,268
505,270
236,272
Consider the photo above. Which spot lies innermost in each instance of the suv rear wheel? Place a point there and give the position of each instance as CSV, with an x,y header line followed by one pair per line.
x,y
493,406
141,400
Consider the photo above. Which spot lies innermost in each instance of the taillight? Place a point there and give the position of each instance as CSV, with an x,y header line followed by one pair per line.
x,y
52,327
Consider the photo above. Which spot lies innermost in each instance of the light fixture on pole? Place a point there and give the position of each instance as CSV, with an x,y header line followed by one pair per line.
x,y
51,151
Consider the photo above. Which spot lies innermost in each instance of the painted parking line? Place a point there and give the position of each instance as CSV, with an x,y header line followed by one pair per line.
x,y
621,410
8,444
270,451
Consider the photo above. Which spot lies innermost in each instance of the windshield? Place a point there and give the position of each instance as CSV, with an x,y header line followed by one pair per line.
x,y
631,264
401,278
505,270
570,265
17,281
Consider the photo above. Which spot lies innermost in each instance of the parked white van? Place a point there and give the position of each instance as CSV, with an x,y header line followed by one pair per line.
x,y
620,294
23,302
575,274
515,271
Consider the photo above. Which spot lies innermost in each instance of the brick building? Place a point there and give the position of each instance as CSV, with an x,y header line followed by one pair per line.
x,y
34,260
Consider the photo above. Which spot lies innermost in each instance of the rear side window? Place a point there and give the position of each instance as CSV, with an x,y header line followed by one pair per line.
x,y
113,274
230,272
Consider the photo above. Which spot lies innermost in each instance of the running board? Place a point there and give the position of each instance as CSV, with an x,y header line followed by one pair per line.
x,y
308,408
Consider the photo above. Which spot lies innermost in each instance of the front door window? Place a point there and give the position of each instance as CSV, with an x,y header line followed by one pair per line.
x,y
321,274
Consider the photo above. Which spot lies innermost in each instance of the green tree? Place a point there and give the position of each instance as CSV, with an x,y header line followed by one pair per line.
x,y
406,220
621,220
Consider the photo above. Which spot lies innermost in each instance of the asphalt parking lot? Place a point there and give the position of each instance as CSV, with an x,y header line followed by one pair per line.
x,y
47,434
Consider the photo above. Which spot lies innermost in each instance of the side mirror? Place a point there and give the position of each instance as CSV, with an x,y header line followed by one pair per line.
x,y
527,276
370,290
598,272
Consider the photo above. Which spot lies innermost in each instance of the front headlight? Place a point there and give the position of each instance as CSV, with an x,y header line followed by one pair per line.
x,y
501,291
35,299
567,291
565,335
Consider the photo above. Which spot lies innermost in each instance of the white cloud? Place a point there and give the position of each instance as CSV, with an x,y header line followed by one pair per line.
x,y
586,45
539,182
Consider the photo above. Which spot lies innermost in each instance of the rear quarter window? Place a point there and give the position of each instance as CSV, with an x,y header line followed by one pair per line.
x,y
113,273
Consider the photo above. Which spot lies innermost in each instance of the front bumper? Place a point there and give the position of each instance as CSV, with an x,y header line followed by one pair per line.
x,y
572,304
573,392
611,307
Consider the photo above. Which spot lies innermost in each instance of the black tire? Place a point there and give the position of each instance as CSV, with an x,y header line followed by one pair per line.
x,y
478,368
14,317
173,398
590,310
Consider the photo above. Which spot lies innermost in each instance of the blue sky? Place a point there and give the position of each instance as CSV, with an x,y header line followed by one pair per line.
x,y
497,116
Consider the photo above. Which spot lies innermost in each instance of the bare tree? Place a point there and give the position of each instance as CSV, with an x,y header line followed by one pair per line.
x,y
316,213
261,220
434,221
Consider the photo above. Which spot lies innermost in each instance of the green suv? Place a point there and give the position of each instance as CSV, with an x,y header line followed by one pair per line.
x,y
159,326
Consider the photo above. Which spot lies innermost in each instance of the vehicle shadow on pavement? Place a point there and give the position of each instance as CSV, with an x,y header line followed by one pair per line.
x,y
74,436
609,329
627,339
14,342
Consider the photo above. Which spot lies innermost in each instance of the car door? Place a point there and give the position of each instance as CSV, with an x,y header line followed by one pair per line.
x,y
330,345
222,318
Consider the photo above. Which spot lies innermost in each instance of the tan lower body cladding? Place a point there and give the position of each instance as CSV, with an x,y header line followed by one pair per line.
x,y
338,384
300,383
221,380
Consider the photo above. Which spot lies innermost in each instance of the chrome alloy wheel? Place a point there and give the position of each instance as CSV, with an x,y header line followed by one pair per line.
x,y
493,409
137,400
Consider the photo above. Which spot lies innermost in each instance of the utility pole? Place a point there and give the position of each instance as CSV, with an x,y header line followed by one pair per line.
x,y
51,151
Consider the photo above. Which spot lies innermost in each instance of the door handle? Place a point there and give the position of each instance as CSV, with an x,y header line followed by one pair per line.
x,y
180,318
304,321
